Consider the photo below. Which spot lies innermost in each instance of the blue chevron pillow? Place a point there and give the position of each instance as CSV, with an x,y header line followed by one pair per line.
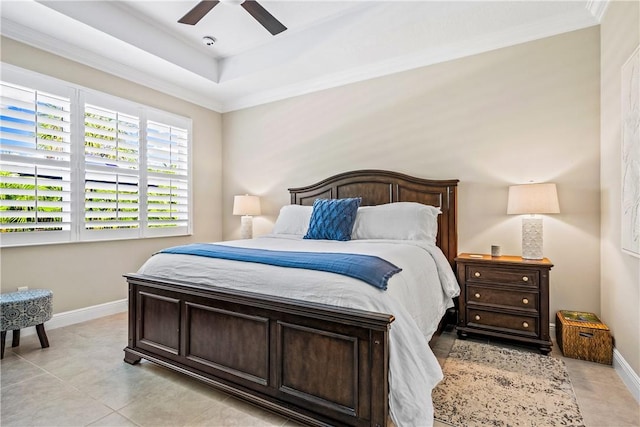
x,y
333,219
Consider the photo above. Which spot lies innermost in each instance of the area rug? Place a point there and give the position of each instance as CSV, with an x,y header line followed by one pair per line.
x,y
485,385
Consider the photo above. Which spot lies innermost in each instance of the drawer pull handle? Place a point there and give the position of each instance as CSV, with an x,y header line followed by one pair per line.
x,y
525,325
477,295
477,274
477,317
525,279
525,301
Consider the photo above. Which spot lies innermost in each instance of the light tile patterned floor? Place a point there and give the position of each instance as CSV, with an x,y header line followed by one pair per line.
x,y
81,380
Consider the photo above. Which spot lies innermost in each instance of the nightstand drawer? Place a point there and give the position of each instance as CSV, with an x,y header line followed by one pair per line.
x,y
492,274
503,322
505,297
509,298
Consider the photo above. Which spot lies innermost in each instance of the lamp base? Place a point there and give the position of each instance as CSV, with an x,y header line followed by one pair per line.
x,y
246,227
532,238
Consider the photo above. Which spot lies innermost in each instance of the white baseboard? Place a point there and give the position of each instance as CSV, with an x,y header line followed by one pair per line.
x,y
626,374
78,316
623,369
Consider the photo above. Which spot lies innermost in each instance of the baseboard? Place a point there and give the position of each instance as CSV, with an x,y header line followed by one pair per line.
x,y
626,374
78,316
623,369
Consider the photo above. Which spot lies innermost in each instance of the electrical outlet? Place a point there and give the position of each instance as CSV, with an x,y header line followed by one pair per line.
x,y
23,288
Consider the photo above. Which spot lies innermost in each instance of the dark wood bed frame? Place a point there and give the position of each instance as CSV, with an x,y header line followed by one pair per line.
x,y
318,364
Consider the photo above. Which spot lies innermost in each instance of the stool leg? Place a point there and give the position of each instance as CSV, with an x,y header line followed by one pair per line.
x,y
16,338
3,337
42,335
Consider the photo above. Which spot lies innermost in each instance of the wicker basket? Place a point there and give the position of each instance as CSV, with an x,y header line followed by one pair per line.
x,y
583,336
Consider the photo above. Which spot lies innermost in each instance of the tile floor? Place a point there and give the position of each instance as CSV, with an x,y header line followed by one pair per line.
x,y
81,380
603,398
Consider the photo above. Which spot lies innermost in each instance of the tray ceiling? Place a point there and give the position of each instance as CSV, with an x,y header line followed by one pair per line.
x,y
326,44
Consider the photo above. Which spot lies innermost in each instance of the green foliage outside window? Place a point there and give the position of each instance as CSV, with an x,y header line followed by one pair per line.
x,y
31,201
104,142
39,190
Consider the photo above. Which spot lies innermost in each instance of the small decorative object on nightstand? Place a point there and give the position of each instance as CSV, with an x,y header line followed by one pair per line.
x,y
582,335
504,297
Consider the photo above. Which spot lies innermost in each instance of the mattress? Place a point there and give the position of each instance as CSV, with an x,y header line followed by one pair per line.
x,y
417,297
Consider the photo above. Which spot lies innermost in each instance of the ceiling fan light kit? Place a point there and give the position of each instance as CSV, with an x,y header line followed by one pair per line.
x,y
258,12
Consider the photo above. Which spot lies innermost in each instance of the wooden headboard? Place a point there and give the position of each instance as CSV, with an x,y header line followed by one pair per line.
x,y
377,187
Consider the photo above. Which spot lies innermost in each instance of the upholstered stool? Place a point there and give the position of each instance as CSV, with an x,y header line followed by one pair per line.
x,y
23,309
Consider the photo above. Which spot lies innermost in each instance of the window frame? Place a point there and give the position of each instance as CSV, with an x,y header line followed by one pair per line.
x,y
80,96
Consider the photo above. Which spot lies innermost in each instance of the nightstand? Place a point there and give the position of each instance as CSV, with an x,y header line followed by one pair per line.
x,y
504,297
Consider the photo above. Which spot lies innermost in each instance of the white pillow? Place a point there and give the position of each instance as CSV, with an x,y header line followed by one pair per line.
x,y
293,219
397,221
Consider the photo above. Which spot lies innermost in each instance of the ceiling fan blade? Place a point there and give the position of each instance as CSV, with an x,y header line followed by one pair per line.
x,y
263,17
198,12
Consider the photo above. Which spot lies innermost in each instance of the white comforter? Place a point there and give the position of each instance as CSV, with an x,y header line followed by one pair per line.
x,y
417,297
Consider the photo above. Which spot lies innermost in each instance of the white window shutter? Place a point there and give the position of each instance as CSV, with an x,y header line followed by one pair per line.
x,y
111,138
167,182
34,198
120,170
111,155
35,150
111,201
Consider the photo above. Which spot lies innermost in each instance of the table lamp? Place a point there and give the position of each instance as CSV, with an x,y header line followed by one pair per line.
x,y
532,199
247,206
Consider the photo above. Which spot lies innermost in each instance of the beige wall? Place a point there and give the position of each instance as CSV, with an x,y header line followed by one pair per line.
x,y
620,272
528,112
87,274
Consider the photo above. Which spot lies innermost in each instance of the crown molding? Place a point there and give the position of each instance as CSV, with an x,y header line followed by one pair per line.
x,y
39,40
597,8
501,39
222,104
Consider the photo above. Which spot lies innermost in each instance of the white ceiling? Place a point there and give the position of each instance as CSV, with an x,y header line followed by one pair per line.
x,y
327,43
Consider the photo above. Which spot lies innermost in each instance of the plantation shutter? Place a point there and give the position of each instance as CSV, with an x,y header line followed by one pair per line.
x,y
81,165
167,181
35,149
111,154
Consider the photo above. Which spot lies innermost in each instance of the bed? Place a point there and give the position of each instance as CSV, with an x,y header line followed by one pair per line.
x,y
199,319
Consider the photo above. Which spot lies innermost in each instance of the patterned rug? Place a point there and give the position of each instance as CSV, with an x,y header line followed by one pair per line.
x,y
485,385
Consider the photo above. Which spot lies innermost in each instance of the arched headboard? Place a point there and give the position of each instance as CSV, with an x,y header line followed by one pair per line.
x,y
377,187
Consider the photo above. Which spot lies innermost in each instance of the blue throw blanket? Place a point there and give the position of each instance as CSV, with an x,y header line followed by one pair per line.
x,y
371,269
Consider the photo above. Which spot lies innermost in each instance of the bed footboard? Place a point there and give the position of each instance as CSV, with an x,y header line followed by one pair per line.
x,y
317,364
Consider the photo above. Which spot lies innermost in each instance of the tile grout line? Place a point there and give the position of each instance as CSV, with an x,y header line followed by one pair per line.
x,y
114,412
66,383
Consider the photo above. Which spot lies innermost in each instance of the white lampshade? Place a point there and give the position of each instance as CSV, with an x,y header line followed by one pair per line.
x,y
246,205
533,199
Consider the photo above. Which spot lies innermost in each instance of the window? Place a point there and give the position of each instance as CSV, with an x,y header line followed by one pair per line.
x,y
78,165
167,180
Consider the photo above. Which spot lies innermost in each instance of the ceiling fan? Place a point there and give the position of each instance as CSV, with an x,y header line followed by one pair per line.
x,y
253,7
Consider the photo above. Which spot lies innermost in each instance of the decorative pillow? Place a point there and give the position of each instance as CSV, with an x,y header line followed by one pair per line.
x,y
332,219
293,219
397,221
